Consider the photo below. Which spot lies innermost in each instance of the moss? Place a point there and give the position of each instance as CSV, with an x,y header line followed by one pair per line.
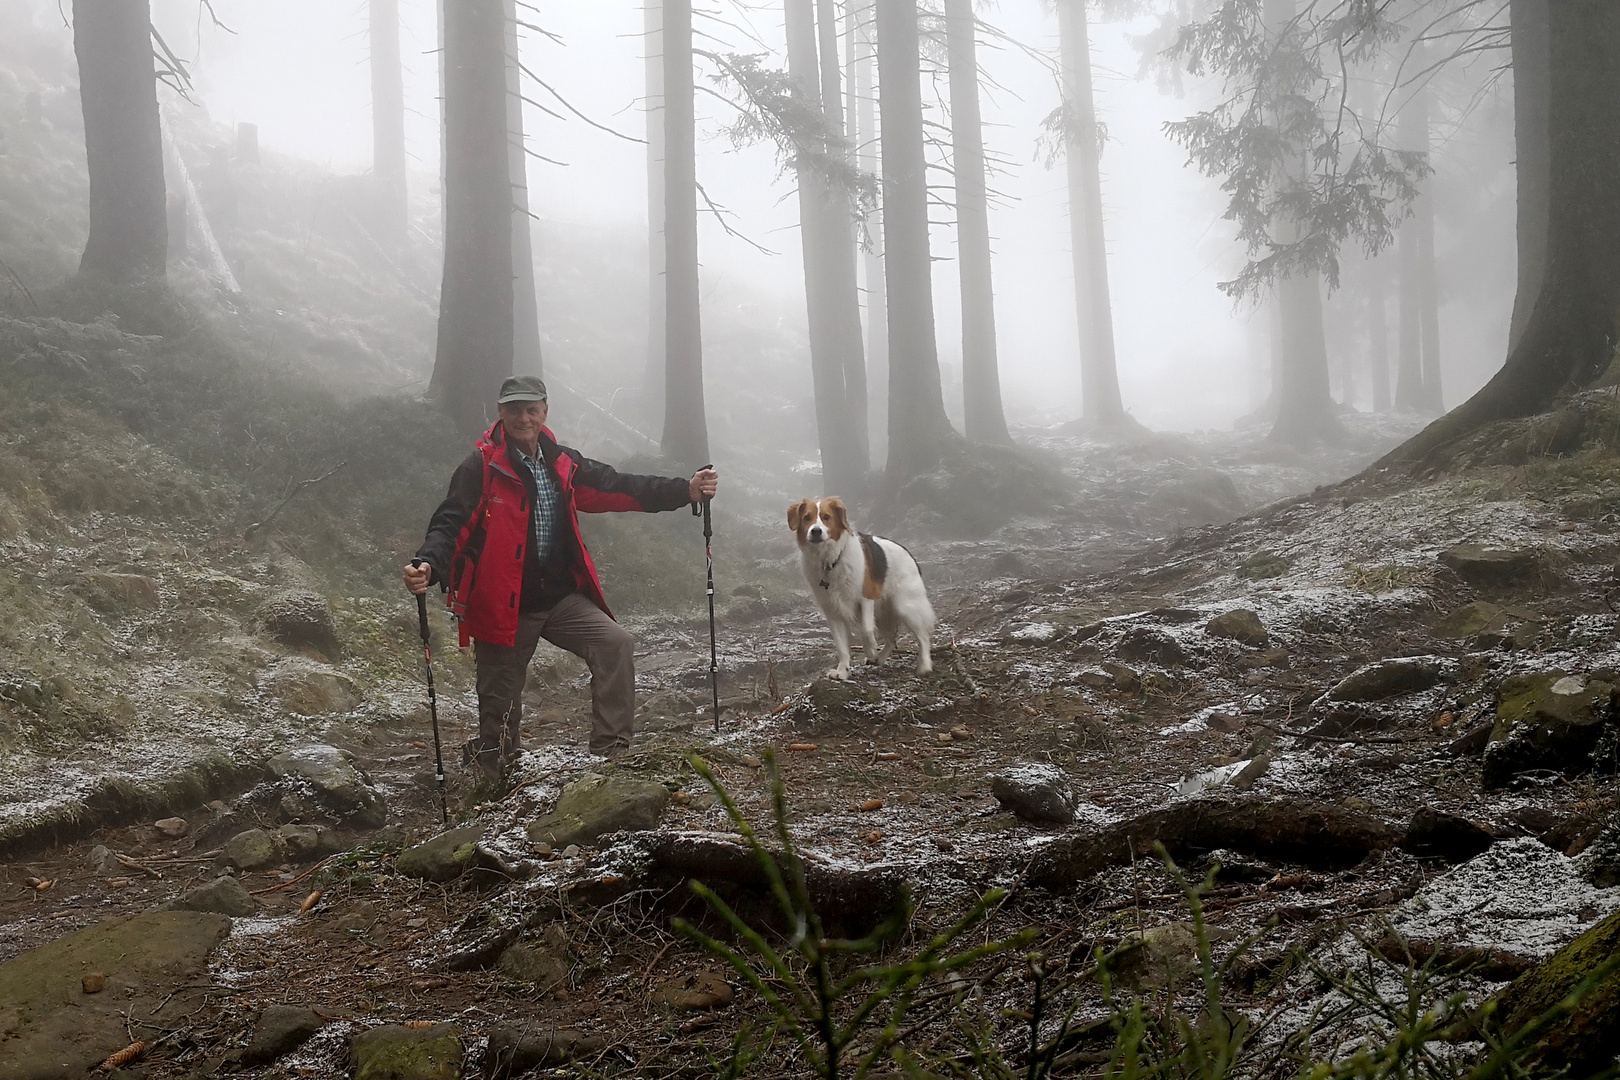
x,y
395,1052
1263,566
1589,1036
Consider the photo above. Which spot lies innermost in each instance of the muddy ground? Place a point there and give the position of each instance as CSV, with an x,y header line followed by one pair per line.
x,y
1076,640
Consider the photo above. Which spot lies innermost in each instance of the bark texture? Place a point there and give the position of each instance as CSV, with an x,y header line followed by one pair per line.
x,y
475,300
1531,86
391,214
652,383
982,417
864,135
1418,388
128,239
686,429
526,358
1568,339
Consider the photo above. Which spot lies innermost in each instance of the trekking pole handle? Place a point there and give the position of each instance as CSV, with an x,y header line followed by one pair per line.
x,y
708,530
421,605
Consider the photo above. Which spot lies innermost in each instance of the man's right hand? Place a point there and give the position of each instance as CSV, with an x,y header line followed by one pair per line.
x,y
418,576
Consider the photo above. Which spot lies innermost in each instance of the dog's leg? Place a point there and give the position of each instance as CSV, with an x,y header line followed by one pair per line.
x,y
925,662
840,634
869,643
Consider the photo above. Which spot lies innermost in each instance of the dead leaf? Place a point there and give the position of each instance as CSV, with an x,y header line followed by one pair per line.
x,y
872,804
961,733
875,836
124,1056
945,736
751,761
310,901
418,1025
1030,710
803,747
1444,720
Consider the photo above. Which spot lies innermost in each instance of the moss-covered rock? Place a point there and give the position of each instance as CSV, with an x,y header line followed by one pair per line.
x,y
1589,1037
306,688
443,858
302,619
224,895
254,849
1239,624
1550,720
332,777
1480,565
395,1052
595,805
117,594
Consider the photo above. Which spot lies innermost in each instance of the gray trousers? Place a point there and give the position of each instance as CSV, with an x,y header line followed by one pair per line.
x,y
582,628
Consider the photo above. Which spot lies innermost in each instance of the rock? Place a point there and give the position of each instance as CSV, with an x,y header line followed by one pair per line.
x,y
53,1030
703,990
1239,624
545,963
595,805
301,618
443,858
1201,497
172,827
224,895
1392,678
1157,958
514,1052
1035,792
1546,721
1437,834
102,861
395,1052
1480,565
254,849
1125,679
1471,619
306,688
115,594
216,832
1148,644
335,781
93,983
1600,862
1587,1038
845,699
307,842
279,1030
1253,770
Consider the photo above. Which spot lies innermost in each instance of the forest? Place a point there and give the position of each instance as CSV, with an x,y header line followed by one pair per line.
x,y
1079,539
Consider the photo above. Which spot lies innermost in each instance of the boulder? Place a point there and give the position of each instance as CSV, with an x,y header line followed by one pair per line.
x,y
255,849
1437,834
1471,619
302,619
595,805
516,1051
1157,958
306,688
115,594
1148,644
279,1030
396,1052
1392,678
50,1029
339,786
103,862
1035,792
1546,721
1600,862
1587,1038
701,990
443,858
224,895
172,827
1480,565
544,963
1239,624
307,842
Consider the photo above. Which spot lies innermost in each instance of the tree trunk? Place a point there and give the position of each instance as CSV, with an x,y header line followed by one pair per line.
x,y
919,431
1419,387
475,299
1378,336
1099,374
864,135
982,416
391,214
1531,82
526,358
830,302
129,238
1568,339
652,382
845,277
686,429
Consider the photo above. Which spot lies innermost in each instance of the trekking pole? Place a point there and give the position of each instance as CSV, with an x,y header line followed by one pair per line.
x,y
433,700
708,556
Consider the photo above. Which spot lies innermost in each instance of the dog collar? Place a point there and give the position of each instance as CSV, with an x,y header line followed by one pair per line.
x,y
826,572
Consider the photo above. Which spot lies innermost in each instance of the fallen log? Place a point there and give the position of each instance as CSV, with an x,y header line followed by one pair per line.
x,y
1315,834
1493,965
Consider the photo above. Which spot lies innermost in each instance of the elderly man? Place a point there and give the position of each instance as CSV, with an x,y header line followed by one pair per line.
x,y
505,543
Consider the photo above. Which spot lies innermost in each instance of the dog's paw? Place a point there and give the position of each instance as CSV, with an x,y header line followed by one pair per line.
x,y
841,674
924,667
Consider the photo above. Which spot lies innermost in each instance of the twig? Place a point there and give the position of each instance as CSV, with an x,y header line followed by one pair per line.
x,y
296,491
293,881
19,283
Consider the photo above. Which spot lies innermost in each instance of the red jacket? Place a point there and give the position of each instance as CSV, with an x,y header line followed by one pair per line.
x,y
479,536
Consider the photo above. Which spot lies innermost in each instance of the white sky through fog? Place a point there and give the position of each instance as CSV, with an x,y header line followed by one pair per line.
x,y
298,69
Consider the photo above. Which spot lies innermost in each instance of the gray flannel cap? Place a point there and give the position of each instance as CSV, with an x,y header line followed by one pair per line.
x,y
522,388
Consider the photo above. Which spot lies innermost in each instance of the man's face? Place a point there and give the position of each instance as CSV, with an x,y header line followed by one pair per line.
x,y
524,419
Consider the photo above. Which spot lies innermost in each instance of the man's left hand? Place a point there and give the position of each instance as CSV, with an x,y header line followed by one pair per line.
x,y
705,482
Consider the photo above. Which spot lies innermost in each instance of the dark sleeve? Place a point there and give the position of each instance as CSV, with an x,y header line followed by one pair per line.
x,y
602,489
466,485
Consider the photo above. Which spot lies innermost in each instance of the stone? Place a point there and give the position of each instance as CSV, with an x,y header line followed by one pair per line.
x,y
1035,792
116,594
1126,680
1157,958
1437,834
172,827
595,805
224,895
1600,862
102,861
306,688
1550,720
301,618
1480,565
279,1030
1241,625
1252,771
1471,619
545,964
53,1030
1393,678
396,1052
514,1052
1200,497
443,858
1149,644
254,849
334,780
307,842
1587,1038
93,983
703,990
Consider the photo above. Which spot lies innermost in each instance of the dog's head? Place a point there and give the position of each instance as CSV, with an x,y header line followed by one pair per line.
x,y
818,520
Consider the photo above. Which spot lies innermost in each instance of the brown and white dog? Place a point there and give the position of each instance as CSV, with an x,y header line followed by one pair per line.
x,y
862,584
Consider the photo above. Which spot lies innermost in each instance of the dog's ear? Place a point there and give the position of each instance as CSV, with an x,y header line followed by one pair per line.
x,y
796,515
840,518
